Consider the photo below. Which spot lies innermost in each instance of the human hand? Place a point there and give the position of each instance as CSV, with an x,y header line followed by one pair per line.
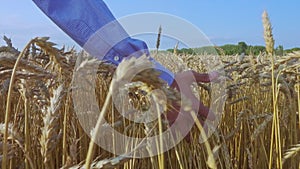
x,y
182,83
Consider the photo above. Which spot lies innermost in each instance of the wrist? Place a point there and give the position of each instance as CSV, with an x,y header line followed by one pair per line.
x,y
166,74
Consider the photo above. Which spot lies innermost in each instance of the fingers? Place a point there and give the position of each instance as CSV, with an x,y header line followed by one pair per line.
x,y
173,114
175,85
180,118
203,111
206,77
201,77
179,127
214,76
197,105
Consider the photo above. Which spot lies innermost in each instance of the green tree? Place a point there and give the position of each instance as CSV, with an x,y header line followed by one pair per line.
x,y
255,50
242,47
292,50
279,50
230,49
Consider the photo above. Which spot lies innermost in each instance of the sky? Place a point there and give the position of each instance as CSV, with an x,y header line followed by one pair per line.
x,y
223,22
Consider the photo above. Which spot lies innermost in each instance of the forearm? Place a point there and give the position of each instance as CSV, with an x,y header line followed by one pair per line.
x,y
91,24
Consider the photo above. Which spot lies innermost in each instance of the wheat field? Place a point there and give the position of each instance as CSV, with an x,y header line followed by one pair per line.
x,y
39,127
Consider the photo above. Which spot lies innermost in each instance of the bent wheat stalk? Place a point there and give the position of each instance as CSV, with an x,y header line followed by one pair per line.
x,y
8,103
95,132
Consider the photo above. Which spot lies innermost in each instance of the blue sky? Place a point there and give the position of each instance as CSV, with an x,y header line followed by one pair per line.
x,y
221,21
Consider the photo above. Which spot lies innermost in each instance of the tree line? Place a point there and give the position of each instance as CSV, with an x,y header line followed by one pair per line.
x,y
231,49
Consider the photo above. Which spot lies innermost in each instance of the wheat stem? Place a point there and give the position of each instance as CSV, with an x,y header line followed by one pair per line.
x,y
95,132
298,94
64,150
8,102
158,39
27,133
160,156
211,160
275,135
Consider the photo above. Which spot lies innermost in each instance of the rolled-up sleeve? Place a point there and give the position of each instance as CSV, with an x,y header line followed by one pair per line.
x,y
91,24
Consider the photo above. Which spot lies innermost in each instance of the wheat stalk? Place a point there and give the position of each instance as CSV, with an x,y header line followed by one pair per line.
x,y
123,73
275,125
158,38
8,103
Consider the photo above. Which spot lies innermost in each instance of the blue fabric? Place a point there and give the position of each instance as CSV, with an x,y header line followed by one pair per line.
x,y
91,24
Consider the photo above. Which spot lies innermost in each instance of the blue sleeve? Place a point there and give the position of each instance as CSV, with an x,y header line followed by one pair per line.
x,y
91,24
